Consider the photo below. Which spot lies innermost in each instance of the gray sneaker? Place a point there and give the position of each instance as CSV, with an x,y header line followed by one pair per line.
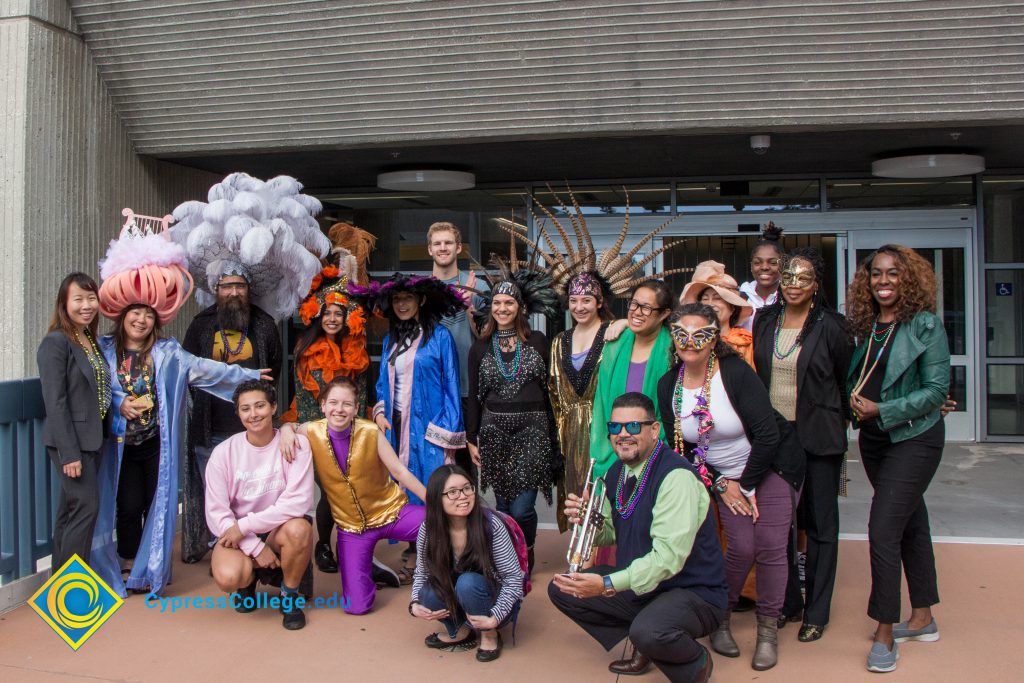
x,y
901,633
881,660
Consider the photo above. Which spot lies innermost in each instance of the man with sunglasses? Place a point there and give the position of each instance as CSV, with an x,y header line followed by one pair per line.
x,y
667,588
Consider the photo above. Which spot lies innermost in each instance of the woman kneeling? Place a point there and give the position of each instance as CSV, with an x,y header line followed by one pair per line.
x,y
468,574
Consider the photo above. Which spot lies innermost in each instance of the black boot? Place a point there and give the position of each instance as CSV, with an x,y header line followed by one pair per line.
x,y
325,561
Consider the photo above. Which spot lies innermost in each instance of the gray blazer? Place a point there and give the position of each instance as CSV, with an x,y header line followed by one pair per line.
x,y
73,425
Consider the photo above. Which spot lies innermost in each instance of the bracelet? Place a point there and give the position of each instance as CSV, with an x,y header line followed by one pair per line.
x,y
414,602
721,484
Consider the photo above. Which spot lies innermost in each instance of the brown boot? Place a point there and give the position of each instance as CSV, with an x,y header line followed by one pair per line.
x,y
766,652
634,665
722,641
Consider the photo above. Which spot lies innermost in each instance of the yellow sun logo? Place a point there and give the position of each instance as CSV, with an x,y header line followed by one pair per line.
x,y
75,602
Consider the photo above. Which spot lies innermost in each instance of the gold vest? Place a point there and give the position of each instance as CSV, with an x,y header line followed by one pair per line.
x,y
367,497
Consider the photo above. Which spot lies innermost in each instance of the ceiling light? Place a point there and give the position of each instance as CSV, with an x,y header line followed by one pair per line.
x,y
426,180
928,166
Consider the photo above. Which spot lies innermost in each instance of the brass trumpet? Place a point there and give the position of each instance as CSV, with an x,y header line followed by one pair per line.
x,y
581,544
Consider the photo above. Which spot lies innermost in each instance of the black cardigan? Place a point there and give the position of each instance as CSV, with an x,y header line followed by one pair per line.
x,y
822,404
773,443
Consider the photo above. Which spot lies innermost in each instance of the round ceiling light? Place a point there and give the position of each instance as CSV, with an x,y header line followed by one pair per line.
x,y
928,166
426,180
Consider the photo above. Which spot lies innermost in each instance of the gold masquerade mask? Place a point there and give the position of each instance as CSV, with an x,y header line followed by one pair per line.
x,y
698,338
798,275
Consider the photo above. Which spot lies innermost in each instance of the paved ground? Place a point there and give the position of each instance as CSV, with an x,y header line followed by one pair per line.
x,y
973,496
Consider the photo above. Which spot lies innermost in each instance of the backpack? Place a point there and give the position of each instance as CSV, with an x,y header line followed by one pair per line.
x,y
519,541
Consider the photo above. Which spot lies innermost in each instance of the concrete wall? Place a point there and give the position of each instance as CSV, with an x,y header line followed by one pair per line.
x,y
208,75
67,168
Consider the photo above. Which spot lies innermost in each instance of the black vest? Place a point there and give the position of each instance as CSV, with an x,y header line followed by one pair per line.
x,y
703,573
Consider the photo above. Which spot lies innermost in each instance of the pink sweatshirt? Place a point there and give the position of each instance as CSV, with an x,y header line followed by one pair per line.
x,y
257,488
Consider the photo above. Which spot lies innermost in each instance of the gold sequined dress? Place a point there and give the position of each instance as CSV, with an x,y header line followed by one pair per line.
x,y
572,402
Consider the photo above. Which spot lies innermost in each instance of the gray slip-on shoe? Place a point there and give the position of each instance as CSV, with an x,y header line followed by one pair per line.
x,y
901,633
882,660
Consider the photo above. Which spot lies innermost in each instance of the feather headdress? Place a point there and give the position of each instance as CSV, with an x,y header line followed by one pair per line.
x,y
352,247
264,231
576,262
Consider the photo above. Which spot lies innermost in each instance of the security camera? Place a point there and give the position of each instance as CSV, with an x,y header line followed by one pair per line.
x,y
760,143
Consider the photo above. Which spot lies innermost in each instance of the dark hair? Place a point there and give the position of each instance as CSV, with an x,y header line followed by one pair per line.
x,y
60,320
314,332
634,399
120,337
734,318
476,557
819,301
771,236
722,348
662,294
255,385
339,381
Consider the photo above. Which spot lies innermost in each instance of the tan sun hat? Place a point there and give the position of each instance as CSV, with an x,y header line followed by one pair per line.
x,y
712,274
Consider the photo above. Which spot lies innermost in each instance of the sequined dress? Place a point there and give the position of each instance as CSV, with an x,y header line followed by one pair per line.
x,y
510,418
572,404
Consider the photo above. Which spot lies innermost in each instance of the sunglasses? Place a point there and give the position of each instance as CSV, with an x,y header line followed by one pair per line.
x,y
632,428
698,338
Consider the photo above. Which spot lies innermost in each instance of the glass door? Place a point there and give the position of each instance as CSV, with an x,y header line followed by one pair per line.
x,y
951,254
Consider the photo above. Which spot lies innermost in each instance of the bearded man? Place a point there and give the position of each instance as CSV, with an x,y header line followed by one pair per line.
x,y
233,331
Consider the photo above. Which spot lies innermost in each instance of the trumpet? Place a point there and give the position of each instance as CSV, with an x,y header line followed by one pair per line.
x,y
581,544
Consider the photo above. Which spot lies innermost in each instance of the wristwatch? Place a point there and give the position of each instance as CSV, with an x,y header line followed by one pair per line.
x,y
609,589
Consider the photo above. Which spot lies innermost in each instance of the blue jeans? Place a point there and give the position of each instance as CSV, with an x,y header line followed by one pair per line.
x,y
474,596
522,508
203,453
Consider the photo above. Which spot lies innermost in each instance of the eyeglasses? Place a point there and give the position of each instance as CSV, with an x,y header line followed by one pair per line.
x,y
632,428
799,280
698,338
454,494
645,309
760,262
233,287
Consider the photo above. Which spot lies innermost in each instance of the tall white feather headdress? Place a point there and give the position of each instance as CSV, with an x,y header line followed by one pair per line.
x,y
264,231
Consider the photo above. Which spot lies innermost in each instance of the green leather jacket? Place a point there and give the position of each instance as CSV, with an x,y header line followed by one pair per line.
x,y
916,378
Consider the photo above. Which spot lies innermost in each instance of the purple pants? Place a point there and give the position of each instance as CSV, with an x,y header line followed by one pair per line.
x,y
764,543
355,556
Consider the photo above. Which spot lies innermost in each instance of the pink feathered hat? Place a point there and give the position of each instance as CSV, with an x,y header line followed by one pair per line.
x,y
143,266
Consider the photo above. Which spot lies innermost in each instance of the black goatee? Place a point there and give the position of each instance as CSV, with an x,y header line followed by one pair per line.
x,y
233,314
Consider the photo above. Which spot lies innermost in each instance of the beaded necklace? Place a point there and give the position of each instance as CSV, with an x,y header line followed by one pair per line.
x,y
124,376
503,368
99,369
228,351
705,422
625,507
865,371
782,355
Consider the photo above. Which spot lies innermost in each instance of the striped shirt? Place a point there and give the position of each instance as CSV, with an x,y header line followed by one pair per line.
x,y
506,564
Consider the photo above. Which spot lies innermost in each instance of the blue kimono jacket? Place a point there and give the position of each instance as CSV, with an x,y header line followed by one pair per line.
x,y
176,370
432,427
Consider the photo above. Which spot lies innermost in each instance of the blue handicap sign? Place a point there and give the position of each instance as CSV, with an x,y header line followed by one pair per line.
x,y
1004,289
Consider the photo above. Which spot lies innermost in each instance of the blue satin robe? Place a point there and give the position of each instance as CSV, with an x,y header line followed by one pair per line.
x,y
434,409
176,370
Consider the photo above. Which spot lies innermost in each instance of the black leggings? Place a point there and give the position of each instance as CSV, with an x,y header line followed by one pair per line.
x,y
140,470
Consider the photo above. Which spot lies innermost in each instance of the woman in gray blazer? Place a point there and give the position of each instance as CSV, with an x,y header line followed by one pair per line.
x,y
76,392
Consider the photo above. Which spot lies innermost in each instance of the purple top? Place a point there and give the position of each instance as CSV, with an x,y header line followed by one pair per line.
x,y
635,377
579,358
340,441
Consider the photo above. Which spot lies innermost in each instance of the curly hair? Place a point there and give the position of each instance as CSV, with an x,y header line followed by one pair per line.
x,y
722,348
916,290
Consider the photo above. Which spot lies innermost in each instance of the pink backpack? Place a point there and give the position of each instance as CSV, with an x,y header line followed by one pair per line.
x,y
519,541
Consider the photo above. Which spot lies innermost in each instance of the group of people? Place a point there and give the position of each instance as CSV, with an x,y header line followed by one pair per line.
x,y
717,420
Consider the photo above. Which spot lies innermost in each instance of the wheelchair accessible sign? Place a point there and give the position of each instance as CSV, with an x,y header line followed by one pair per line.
x,y
75,602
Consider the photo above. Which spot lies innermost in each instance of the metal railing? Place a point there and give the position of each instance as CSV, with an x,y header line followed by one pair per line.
x,y
29,488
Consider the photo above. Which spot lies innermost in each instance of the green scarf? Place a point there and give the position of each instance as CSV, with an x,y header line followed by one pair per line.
x,y
611,383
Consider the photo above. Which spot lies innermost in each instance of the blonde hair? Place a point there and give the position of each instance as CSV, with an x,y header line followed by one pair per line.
x,y
444,226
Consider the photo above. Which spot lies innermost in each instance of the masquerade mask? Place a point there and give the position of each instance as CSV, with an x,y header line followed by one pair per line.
x,y
798,275
632,428
698,338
